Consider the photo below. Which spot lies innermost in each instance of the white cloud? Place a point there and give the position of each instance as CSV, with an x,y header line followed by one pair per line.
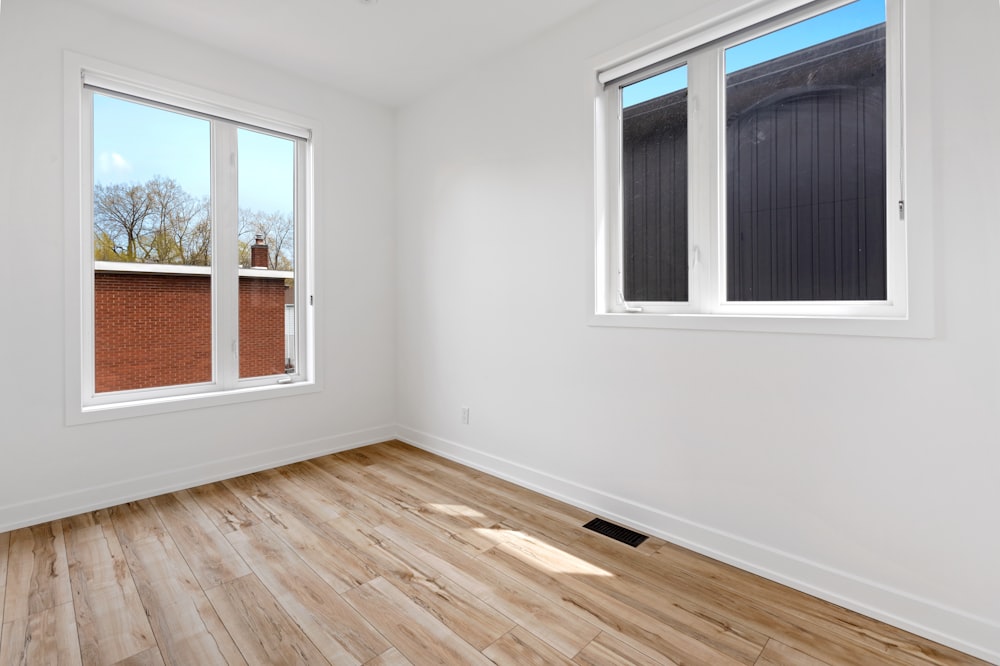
x,y
113,164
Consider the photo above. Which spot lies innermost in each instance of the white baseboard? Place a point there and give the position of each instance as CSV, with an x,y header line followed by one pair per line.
x,y
52,507
950,626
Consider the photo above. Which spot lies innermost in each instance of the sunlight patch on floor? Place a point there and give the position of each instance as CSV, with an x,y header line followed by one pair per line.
x,y
541,554
459,510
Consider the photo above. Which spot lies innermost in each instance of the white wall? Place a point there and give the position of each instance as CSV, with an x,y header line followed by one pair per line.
x,y
860,469
48,469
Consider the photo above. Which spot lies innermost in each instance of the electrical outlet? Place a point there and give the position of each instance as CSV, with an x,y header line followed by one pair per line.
x,y
465,415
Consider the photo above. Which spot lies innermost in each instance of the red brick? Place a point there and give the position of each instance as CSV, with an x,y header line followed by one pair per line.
x,y
154,330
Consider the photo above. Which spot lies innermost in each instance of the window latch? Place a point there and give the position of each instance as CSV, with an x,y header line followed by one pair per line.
x,y
902,209
627,307
695,256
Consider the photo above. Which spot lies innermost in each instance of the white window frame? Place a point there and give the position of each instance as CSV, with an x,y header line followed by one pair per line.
x,y
908,310
84,77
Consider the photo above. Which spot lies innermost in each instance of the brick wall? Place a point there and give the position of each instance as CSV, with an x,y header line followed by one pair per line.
x,y
155,329
262,326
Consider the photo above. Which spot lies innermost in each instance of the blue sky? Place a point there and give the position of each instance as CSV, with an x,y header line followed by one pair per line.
x,y
841,21
134,142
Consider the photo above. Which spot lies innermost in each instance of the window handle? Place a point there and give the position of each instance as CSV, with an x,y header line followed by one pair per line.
x,y
628,308
695,256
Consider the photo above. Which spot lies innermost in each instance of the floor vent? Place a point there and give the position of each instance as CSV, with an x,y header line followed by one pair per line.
x,y
616,532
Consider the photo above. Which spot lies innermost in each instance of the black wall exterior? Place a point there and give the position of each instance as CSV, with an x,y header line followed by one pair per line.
x,y
805,180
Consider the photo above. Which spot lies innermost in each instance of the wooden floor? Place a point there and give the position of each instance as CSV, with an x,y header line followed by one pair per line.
x,y
389,555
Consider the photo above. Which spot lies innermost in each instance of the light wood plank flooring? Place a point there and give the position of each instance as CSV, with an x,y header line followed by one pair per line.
x,y
388,555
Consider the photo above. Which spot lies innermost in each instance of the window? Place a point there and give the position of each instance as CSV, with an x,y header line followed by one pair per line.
x,y
751,171
193,225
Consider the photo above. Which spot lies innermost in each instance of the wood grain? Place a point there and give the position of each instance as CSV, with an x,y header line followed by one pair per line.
x,y
391,556
222,507
606,650
186,626
345,480
455,607
271,493
343,635
794,618
417,634
261,628
519,647
398,501
562,629
150,657
616,594
211,558
345,495
337,566
46,636
4,548
135,521
619,619
37,573
391,657
779,654
110,618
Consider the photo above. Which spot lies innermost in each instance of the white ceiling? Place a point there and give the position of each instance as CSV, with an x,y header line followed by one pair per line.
x,y
385,50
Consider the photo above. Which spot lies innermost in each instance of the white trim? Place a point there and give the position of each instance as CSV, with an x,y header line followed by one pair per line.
x,y
132,404
661,48
885,328
162,269
305,244
225,283
265,273
177,269
75,168
37,511
106,76
925,617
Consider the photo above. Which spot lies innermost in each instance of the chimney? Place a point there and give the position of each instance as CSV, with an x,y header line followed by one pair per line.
x,y
258,252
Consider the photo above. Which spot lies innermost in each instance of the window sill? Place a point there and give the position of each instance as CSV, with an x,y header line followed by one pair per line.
x,y
77,415
901,327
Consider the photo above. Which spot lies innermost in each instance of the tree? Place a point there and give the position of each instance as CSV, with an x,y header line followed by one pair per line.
x,y
121,212
152,222
184,233
278,230
159,222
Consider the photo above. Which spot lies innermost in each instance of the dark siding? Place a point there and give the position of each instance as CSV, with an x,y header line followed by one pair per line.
x,y
806,201
654,183
805,180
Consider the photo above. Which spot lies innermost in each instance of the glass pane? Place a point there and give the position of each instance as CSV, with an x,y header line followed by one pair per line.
x,y
152,326
654,188
266,167
806,170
